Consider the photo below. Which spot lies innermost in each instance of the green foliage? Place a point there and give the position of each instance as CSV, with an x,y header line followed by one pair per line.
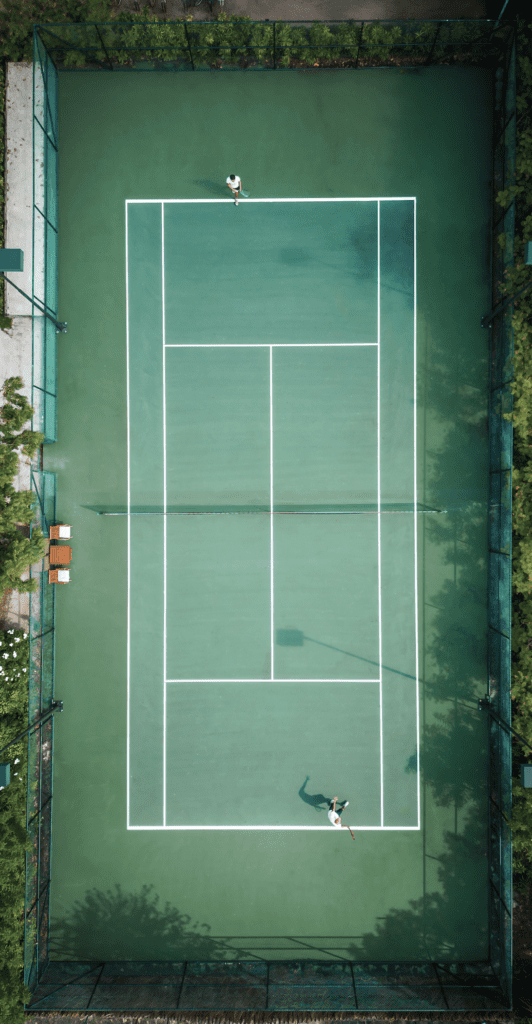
x,y
14,413
20,509
14,663
378,41
16,557
226,41
516,277
17,552
505,198
14,841
288,40
521,821
261,42
17,18
230,39
321,38
238,41
8,468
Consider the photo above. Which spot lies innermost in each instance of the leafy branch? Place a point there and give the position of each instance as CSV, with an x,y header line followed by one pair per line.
x,y
17,552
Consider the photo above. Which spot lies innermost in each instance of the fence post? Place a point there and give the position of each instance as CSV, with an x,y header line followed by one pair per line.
x,y
429,58
359,42
109,61
188,44
274,62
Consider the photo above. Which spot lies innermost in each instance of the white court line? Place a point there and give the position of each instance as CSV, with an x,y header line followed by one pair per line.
x,y
279,679
164,507
272,653
416,608
128,644
276,345
379,573
289,344
271,828
301,199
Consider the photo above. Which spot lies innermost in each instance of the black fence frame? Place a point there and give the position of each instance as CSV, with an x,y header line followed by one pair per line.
x,y
486,986
486,40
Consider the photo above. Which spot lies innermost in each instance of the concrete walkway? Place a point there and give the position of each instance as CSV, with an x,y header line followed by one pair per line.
x,y
15,343
325,10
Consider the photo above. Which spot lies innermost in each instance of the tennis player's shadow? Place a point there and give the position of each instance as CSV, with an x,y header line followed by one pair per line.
x,y
314,799
214,187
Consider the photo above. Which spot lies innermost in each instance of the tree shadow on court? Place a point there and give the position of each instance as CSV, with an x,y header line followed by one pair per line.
x,y
449,916
125,925
453,459
450,912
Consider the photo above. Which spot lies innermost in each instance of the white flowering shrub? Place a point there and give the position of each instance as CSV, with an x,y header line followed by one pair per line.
x,y
14,668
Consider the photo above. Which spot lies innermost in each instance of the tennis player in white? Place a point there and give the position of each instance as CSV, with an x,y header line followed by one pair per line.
x,y
233,182
334,815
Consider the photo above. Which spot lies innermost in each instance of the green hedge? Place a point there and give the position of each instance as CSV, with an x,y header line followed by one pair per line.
x,y
17,508
17,18
17,553
516,278
16,24
234,40
14,669
231,40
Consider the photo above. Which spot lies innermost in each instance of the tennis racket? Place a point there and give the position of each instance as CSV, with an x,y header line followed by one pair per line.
x,y
244,194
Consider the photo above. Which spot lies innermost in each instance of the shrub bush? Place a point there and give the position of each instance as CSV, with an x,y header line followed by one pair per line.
x,y
17,18
17,552
515,278
14,671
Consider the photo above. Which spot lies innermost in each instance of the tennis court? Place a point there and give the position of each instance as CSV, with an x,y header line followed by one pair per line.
x,y
279,409
270,573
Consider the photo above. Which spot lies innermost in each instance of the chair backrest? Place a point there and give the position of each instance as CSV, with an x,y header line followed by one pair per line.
x,y
61,531
59,576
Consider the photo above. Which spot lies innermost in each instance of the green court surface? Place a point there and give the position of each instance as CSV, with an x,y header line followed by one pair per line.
x,y
299,383
301,434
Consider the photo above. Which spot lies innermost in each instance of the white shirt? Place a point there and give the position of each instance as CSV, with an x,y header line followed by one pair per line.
x,y
332,815
233,184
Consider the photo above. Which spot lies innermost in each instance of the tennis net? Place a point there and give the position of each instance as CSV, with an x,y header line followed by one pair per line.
x,y
276,509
